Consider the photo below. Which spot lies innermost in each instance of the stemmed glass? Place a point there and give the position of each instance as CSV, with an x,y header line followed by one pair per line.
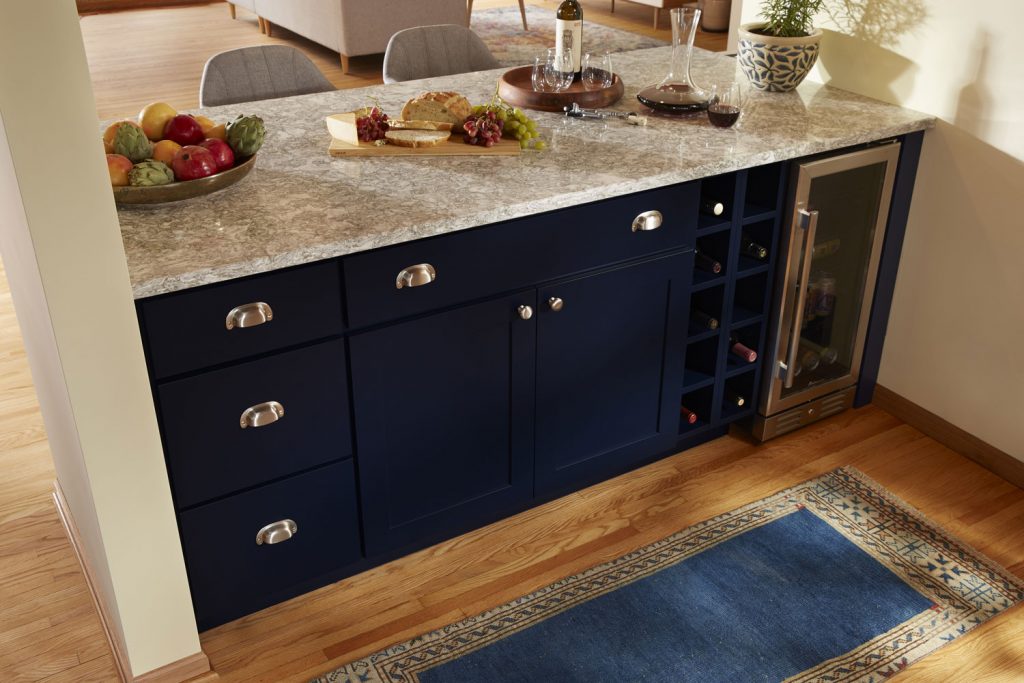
x,y
597,70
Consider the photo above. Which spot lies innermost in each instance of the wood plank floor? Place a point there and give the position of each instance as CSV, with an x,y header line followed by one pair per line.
x,y
147,55
49,631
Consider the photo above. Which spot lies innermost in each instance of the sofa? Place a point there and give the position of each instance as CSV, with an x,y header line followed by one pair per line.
x,y
354,27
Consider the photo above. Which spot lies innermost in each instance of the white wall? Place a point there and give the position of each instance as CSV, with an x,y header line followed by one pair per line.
x,y
957,323
62,250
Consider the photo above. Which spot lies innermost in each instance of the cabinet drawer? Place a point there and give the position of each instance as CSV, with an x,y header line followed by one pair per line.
x,y
294,406
232,575
497,258
190,330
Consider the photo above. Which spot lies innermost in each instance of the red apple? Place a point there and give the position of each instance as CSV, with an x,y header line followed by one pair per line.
x,y
193,162
184,130
222,152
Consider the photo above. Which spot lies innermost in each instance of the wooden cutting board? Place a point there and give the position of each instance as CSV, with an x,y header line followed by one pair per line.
x,y
454,147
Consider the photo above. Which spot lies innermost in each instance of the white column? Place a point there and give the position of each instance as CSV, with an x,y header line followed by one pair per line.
x,y
62,250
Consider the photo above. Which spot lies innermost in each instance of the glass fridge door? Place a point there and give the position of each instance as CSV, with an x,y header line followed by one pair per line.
x,y
840,210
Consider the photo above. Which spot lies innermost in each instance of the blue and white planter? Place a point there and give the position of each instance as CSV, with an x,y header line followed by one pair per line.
x,y
776,64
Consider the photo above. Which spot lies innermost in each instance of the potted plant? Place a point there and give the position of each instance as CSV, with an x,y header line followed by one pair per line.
x,y
777,54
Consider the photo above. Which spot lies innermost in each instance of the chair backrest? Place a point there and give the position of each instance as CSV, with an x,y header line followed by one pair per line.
x,y
427,51
261,72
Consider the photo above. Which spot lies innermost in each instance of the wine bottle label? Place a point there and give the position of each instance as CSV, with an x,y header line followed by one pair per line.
x,y
569,38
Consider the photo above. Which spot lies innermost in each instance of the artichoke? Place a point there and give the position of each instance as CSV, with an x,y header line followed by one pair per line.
x,y
149,173
131,141
245,135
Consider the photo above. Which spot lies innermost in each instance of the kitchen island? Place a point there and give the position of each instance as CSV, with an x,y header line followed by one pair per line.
x,y
354,358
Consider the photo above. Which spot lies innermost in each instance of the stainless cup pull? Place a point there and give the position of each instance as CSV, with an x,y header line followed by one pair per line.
x,y
525,312
261,415
416,276
648,220
249,315
278,532
556,304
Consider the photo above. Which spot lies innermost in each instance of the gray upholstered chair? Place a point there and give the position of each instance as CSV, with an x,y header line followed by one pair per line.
x,y
428,51
259,73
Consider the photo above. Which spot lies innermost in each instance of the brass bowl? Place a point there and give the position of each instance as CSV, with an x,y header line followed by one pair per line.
x,y
186,189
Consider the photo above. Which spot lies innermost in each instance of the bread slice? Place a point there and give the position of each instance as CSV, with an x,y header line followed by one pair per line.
x,y
420,125
417,138
445,107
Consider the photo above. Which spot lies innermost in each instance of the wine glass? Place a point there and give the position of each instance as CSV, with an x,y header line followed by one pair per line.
x,y
724,105
597,70
558,70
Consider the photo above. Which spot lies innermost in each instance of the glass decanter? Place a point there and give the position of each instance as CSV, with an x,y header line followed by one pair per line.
x,y
677,93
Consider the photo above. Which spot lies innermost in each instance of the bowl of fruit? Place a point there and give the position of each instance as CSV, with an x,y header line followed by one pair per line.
x,y
166,156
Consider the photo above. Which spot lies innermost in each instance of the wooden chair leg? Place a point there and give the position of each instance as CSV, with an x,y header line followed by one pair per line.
x,y
269,28
613,6
522,12
231,9
469,13
344,64
657,16
259,21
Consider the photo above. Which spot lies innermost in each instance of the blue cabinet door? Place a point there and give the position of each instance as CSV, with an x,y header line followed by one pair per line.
x,y
443,415
610,353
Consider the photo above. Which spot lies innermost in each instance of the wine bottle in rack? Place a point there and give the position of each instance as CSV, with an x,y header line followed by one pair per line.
x,y
706,263
569,33
741,350
826,354
752,248
704,320
734,399
712,206
688,415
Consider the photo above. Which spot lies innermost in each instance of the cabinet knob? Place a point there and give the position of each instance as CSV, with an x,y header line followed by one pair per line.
x,y
525,312
416,276
261,415
278,532
648,220
249,315
555,304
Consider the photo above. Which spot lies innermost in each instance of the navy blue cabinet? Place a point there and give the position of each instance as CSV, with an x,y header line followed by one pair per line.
x,y
444,420
610,350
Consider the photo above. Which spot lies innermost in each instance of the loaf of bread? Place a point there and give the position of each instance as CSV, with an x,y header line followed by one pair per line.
x,y
445,107
417,138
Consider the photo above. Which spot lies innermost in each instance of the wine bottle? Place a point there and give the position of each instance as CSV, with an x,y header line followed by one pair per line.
x,y
569,33
739,349
826,354
825,248
809,360
688,415
735,399
704,320
752,248
712,207
705,262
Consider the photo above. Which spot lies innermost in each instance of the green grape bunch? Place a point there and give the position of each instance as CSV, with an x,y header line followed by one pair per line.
x,y
515,123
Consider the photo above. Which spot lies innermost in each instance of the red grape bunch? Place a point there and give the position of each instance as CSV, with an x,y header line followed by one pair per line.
x,y
372,125
482,129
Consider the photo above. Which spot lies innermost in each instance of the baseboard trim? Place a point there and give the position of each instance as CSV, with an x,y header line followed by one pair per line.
x,y
948,434
182,670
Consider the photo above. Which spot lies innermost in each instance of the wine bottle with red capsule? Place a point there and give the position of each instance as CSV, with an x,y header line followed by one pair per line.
x,y
741,350
688,415
706,263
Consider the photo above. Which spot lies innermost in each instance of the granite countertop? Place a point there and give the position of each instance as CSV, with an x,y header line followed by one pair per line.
x,y
301,205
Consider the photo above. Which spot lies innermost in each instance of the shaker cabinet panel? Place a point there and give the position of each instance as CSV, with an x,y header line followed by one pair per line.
x,y
443,417
609,357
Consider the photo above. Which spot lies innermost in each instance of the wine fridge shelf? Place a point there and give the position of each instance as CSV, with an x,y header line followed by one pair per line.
x,y
738,298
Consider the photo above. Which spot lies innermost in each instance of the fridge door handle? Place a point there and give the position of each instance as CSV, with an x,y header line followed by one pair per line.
x,y
809,224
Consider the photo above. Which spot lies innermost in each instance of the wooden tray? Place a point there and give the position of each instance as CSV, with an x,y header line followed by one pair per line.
x,y
185,189
454,147
516,87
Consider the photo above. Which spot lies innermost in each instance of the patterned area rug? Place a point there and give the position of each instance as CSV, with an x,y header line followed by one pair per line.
x,y
832,580
502,30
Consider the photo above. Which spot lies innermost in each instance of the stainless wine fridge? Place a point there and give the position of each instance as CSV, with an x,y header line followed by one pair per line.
x,y
838,209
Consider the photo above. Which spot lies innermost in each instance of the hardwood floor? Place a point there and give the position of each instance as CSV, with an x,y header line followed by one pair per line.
x,y
49,631
148,55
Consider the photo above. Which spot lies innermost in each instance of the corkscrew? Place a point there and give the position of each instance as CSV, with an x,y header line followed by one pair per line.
x,y
577,112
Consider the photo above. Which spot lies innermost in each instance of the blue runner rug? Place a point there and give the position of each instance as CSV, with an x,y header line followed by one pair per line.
x,y
832,580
